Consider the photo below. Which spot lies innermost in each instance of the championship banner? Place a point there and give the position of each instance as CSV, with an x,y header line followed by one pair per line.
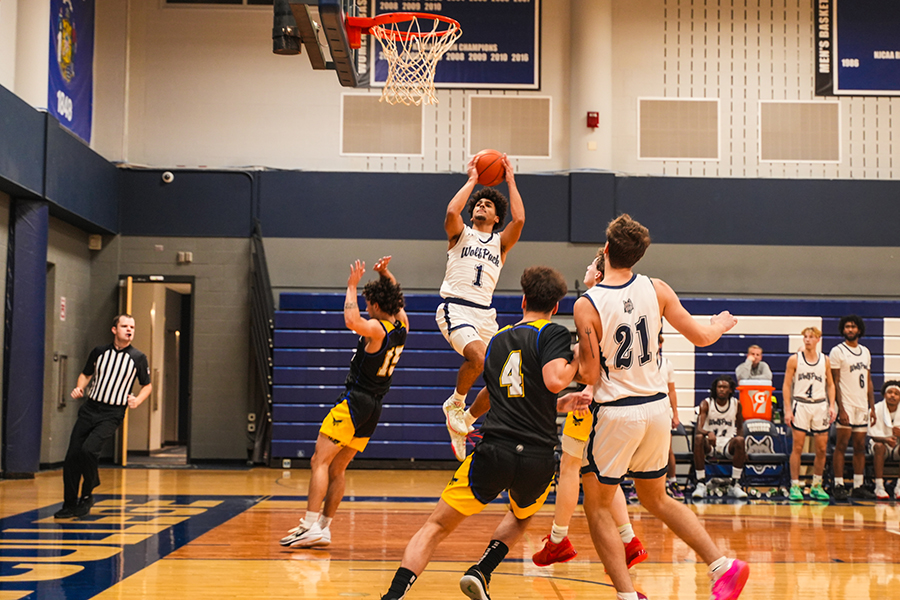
x,y
499,47
70,93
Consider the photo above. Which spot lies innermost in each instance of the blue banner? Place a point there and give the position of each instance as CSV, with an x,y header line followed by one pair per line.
x,y
499,47
70,93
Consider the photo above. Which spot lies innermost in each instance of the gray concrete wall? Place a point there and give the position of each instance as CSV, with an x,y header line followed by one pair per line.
x,y
692,270
220,397
69,278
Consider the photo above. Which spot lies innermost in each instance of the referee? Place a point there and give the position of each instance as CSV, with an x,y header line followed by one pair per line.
x,y
105,383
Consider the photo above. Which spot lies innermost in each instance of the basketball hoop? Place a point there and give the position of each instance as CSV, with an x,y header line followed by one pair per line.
x,y
412,44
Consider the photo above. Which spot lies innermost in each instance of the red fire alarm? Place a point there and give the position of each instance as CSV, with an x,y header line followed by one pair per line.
x,y
593,120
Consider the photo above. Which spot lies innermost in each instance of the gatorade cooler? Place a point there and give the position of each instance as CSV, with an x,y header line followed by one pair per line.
x,y
756,400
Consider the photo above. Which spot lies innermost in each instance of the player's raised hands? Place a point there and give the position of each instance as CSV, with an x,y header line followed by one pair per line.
x,y
577,402
508,170
724,319
471,171
357,270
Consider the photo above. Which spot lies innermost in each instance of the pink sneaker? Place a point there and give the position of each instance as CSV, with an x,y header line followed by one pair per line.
x,y
728,586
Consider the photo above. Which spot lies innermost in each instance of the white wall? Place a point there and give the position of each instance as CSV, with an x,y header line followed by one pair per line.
x,y
8,43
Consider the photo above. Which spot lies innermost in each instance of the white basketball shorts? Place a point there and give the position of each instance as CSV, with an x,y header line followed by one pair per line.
x,y
631,439
462,325
858,417
810,417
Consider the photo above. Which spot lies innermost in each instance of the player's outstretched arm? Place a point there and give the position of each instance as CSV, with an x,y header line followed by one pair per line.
x,y
370,329
698,334
453,221
510,234
381,267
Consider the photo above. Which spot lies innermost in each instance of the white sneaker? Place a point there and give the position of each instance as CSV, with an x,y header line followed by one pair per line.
x,y
736,492
881,493
455,412
458,442
312,537
294,533
699,491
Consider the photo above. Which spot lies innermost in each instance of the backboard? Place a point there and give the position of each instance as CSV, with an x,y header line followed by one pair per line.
x,y
320,28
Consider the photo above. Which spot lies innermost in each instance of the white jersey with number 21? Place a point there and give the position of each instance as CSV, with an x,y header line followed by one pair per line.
x,y
629,344
473,267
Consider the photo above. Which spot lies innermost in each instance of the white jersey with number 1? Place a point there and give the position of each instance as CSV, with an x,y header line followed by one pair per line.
x,y
629,316
473,267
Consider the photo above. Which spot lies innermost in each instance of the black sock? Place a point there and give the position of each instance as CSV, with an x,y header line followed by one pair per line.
x,y
403,580
493,556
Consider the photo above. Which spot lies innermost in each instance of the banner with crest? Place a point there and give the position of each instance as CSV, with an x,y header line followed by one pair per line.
x,y
70,93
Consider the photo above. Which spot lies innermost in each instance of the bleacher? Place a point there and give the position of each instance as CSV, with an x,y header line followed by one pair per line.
x,y
313,350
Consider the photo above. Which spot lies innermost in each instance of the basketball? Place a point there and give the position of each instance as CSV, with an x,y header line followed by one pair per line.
x,y
489,165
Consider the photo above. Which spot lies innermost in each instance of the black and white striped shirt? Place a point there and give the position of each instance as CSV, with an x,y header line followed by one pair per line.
x,y
113,372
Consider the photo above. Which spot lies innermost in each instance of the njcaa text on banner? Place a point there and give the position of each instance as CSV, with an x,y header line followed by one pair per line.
x,y
71,80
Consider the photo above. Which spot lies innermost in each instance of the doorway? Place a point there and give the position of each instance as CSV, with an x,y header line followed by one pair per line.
x,y
157,432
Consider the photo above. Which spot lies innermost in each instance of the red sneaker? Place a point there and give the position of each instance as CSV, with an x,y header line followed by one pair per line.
x,y
634,552
554,553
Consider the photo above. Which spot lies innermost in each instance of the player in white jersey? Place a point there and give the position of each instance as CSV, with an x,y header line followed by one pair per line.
x,y
717,435
475,256
851,368
809,409
885,435
618,322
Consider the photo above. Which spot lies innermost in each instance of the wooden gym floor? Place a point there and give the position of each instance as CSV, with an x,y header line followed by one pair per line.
x,y
193,533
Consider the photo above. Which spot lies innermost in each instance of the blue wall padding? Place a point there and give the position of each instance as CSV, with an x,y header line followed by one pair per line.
x,y
593,205
80,181
26,303
194,204
762,212
21,146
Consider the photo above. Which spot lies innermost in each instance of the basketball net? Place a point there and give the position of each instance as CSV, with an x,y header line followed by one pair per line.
x,y
412,53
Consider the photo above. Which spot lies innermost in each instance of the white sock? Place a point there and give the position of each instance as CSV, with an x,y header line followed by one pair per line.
x,y
460,398
626,596
879,483
469,418
557,533
817,480
838,481
736,473
701,476
325,522
311,517
626,532
672,480
795,482
857,480
718,567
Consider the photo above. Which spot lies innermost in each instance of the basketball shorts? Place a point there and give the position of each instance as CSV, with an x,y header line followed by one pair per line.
x,y
891,454
462,325
352,421
576,432
629,439
810,417
720,450
858,418
498,465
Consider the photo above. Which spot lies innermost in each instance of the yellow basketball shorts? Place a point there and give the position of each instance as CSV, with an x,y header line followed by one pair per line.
x,y
353,420
494,467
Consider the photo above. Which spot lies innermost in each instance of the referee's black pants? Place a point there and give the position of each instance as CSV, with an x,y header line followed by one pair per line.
x,y
97,422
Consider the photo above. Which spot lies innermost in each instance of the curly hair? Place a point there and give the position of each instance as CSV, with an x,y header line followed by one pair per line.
x,y
852,319
628,240
501,204
543,288
715,384
386,294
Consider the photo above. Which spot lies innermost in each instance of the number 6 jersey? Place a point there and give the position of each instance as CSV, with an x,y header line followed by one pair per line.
x,y
629,343
854,365
473,267
522,408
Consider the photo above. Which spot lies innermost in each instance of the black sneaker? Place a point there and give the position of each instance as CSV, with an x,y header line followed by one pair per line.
x,y
862,493
83,508
840,492
474,585
66,512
